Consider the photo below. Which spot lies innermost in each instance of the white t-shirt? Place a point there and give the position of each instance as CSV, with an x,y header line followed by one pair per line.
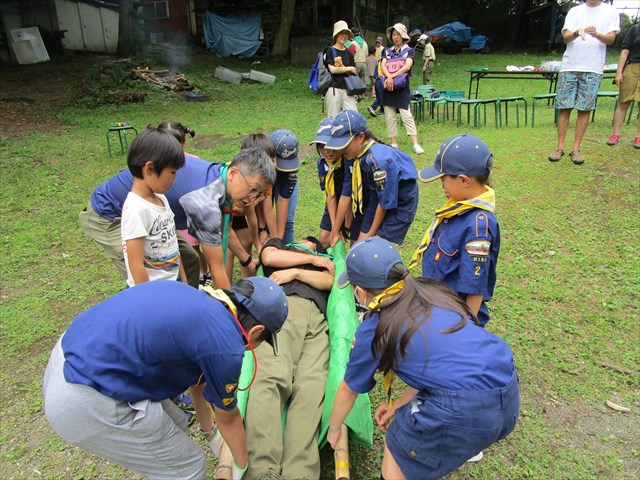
x,y
588,55
141,218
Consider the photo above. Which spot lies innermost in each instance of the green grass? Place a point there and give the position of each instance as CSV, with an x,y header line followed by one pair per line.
x,y
566,299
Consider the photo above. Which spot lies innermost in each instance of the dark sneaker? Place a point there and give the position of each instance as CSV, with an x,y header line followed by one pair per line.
x,y
205,279
576,157
556,155
371,111
613,140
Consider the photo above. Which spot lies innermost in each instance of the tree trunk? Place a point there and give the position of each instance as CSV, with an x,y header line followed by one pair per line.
x,y
127,41
521,36
281,40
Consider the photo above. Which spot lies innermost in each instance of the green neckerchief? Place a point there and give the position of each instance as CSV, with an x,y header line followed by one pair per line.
x,y
226,214
308,250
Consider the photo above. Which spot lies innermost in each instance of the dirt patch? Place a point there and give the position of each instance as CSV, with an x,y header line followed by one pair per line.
x,y
31,95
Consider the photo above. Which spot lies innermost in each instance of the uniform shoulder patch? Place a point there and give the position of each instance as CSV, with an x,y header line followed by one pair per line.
x,y
228,401
379,175
478,247
230,387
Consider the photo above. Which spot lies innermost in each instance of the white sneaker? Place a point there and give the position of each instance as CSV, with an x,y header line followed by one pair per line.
x,y
476,458
418,149
394,145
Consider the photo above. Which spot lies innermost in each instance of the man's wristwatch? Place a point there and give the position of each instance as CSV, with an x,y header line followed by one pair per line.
x,y
247,261
263,229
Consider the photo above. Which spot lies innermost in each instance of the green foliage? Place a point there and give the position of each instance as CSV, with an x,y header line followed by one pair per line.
x,y
566,298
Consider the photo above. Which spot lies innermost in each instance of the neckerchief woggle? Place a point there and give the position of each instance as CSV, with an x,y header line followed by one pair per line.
x,y
226,213
356,179
486,201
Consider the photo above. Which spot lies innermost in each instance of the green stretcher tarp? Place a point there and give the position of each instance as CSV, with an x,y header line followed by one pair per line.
x,y
343,321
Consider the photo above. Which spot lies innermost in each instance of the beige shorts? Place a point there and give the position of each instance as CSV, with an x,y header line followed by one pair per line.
x,y
630,87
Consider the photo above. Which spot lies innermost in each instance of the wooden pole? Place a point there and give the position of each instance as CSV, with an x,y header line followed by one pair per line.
x,y
225,468
341,454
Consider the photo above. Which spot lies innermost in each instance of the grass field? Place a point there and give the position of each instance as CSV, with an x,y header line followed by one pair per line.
x,y
566,299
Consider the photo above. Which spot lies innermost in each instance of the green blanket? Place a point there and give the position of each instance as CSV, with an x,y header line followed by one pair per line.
x,y
343,321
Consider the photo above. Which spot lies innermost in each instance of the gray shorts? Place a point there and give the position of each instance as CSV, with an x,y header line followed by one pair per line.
x,y
578,90
147,437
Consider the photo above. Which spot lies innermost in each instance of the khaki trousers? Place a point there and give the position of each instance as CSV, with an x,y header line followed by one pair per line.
x,y
298,377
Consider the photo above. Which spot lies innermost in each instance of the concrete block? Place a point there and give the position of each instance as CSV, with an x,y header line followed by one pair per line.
x,y
227,75
261,77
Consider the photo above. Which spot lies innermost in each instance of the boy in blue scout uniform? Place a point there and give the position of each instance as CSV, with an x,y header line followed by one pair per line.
x,y
384,190
331,168
461,246
463,390
285,188
110,376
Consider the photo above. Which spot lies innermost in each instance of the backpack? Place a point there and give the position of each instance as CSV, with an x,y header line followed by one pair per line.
x,y
319,77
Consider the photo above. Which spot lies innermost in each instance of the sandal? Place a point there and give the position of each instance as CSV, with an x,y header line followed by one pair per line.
x,y
576,157
556,155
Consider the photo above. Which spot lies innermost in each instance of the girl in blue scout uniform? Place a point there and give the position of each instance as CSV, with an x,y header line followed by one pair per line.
x,y
285,188
461,246
463,390
331,168
109,377
384,190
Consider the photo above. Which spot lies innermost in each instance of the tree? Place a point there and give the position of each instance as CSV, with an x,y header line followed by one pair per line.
x,y
281,37
127,22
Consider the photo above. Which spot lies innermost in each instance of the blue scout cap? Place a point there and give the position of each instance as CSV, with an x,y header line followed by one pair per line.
x,y
323,132
286,143
346,125
458,155
369,262
268,304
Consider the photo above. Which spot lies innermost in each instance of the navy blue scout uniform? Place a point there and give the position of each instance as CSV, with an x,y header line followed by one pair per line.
x,y
468,394
132,346
461,247
389,180
385,176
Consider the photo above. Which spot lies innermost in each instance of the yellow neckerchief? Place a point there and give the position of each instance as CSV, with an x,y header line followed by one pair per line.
x,y
222,297
356,179
329,182
383,296
387,293
486,201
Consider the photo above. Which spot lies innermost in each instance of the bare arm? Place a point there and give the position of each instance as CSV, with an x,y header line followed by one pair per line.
x,y
135,256
274,257
282,211
322,280
213,256
474,302
624,54
232,430
342,405
183,274
344,204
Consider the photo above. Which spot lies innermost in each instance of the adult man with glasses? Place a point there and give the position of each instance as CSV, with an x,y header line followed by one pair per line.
x,y
201,199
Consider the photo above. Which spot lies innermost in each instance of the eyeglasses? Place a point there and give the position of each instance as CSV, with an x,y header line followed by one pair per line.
x,y
254,193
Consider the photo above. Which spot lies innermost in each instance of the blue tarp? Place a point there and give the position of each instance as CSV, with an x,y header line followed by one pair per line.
x,y
456,31
459,32
237,34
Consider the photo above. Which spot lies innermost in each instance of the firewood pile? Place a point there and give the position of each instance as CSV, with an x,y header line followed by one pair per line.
x,y
163,78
